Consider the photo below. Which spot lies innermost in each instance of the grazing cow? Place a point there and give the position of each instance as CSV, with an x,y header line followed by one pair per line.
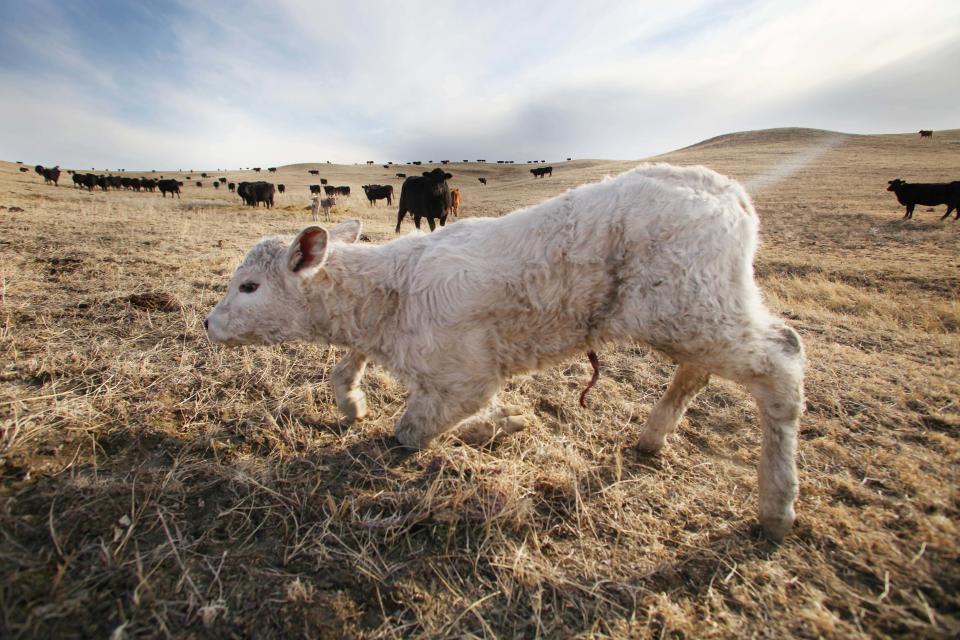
x,y
342,190
328,189
926,133
148,184
568,159
315,188
444,162
232,186
253,193
272,169
222,180
203,175
281,188
216,185
401,175
199,184
482,180
417,162
661,255
376,192
317,203
26,169
314,172
455,201
931,194
257,169
539,172
425,196
169,186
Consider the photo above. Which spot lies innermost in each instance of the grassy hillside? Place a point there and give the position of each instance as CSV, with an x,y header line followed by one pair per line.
x,y
155,485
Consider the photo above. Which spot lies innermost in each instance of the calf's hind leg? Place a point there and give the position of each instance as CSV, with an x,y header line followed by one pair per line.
x,y
346,391
666,415
771,367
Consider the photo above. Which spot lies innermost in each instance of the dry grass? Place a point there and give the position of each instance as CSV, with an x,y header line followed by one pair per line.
x,y
155,485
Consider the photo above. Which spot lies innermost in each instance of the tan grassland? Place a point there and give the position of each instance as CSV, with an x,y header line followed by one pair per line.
x,y
155,485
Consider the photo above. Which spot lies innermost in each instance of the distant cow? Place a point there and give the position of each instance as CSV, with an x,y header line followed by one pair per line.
x,y
323,181
26,169
401,175
926,133
342,190
455,201
281,188
317,203
216,185
315,188
199,184
257,169
222,180
482,180
169,186
539,172
232,186
203,175
376,192
369,161
931,194
253,193
272,169
426,196
314,172
49,174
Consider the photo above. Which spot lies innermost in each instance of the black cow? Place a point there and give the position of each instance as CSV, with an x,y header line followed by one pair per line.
x,y
539,172
327,189
232,186
25,169
931,194
216,185
926,133
257,169
203,175
341,190
315,188
148,184
253,193
482,180
323,181
50,175
199,184
169,186
222,180
378,192
425,196
281,188
314,172
401,175
272,169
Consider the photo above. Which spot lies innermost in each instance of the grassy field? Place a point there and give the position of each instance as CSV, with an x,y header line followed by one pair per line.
x,y
152,484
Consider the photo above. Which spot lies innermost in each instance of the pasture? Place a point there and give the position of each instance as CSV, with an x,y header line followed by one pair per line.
x,y
153,484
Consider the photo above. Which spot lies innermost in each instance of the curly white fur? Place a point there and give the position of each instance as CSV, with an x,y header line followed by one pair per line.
x,y
659,254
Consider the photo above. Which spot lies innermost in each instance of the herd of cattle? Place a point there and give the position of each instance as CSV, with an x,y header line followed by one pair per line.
x,y
428,195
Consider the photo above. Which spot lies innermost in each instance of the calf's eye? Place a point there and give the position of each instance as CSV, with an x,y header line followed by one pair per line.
x,y
248,287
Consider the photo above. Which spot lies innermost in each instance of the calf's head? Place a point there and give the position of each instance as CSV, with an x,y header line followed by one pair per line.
x,y
268,299
895,184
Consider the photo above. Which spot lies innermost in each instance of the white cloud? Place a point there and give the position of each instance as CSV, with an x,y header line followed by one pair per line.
x,y
296,81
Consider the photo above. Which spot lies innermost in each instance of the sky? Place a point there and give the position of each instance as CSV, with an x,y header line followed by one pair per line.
x,y
194,84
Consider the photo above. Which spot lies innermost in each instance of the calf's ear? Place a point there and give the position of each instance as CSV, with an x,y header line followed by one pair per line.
x,y
308,252
447,176
348,231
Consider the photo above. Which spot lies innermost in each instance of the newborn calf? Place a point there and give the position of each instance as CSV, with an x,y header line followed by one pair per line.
x,y
659,254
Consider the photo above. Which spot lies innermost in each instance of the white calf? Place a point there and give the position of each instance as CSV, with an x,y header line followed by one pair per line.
x,y
318,202
660,254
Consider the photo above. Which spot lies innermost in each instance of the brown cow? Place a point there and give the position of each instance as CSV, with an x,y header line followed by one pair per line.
x,y
455,200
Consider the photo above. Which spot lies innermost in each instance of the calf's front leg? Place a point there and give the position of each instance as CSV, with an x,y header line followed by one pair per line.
x,y
346,391
432,410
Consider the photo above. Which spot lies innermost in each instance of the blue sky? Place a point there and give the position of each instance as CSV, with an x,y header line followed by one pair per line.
x,y
199,84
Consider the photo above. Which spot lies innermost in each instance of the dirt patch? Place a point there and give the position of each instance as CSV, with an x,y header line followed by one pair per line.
x,y
153,301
